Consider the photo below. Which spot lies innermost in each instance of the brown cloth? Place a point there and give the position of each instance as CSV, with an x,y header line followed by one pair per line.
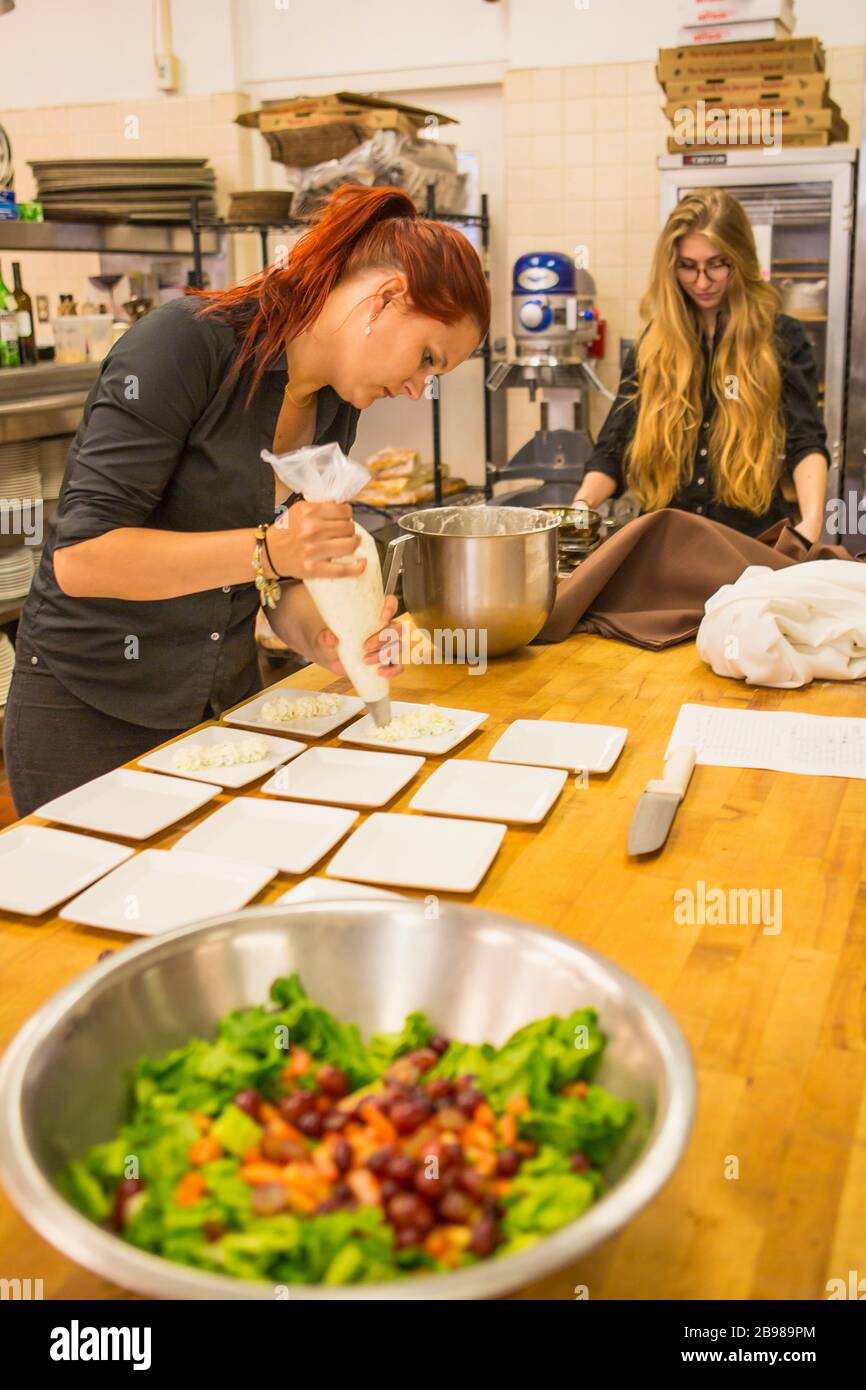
x,y
648,583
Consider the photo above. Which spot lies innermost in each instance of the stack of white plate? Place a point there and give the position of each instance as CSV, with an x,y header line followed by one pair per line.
x,y
16,572
52,462
20,478
7,666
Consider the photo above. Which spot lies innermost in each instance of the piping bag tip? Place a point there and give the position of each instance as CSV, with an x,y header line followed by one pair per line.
x,y
380,711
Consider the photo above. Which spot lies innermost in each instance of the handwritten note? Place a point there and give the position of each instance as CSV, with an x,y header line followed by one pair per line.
x,y
812,744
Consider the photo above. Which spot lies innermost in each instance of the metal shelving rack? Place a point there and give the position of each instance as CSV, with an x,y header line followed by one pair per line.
x,y
143,237
200,227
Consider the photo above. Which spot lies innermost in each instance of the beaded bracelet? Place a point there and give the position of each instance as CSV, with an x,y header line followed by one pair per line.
x,y
269,589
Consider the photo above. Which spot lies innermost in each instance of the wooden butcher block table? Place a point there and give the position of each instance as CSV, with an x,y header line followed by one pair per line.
x,y
776,1023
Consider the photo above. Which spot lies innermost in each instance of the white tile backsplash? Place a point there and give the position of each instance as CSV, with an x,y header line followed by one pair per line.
x,y
577,114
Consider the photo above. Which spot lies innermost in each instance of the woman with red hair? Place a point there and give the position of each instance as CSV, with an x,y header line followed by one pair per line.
x,y
140,621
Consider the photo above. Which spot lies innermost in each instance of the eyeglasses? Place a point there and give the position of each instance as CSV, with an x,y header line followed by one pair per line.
x,y
714,270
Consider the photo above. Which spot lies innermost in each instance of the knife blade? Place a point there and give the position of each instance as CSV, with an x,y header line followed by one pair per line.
x,y
653,816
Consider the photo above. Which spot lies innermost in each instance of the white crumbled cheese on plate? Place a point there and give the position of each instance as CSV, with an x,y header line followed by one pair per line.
x,y
191,757
428,723
283,707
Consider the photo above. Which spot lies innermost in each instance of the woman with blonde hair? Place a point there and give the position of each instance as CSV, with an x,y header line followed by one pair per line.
x,y
716,408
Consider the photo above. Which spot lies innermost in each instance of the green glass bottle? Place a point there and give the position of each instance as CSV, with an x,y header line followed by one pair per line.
x,y
10,353
24,307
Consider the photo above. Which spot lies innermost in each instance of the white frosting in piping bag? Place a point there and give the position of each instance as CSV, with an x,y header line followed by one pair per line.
x,y
352,609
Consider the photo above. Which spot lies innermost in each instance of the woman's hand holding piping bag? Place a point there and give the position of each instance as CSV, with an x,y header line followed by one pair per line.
x,y
310,537
297,622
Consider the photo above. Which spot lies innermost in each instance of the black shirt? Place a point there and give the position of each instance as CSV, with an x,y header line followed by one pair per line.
x,y
805,433
163,442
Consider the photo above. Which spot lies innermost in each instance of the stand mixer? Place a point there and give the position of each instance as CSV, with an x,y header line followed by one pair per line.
x,y
556,327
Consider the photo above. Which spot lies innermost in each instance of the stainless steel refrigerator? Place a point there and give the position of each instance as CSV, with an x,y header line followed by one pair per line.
x,y
801,205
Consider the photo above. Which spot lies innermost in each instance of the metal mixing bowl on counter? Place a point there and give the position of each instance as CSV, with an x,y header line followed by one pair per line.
x,y
64,1082
578,526
581,531
486,568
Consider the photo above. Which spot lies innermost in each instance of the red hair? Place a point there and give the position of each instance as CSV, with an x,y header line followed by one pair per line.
x,y
358,229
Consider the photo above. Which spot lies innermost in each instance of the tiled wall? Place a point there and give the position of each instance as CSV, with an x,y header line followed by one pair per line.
x,y
581,146
181,127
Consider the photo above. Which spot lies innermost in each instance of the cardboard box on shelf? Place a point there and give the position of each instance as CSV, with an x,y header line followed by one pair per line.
x,y
807,88
792,140
732,33
304,131
794,121
703,12
385,119
788,106
755,59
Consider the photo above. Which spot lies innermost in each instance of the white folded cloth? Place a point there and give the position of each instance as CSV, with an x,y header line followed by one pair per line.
x,y
788,627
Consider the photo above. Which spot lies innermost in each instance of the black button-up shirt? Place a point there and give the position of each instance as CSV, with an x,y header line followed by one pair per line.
x,y
805,433
164,443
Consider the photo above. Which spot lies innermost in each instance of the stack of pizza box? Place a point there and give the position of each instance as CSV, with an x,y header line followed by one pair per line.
x,y
725,94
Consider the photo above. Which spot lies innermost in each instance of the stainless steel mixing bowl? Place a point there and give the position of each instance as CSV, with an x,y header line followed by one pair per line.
x,y
474,569
479,975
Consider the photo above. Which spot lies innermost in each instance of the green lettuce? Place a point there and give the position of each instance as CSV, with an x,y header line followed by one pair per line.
x,y
538,1059
545,1195
236,1131
593,1125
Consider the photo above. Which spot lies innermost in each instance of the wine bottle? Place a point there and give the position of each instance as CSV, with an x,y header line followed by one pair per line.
x,y
26,334
10,355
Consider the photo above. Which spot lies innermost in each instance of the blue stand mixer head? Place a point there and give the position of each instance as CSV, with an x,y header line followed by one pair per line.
x,y
552,306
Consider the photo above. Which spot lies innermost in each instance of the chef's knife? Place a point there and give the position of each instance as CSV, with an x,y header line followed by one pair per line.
x,y
654,813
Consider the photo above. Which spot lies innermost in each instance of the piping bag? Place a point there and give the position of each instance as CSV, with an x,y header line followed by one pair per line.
x,y
350,607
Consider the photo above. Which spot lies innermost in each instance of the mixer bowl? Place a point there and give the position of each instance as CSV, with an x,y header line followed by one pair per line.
x,y
477,569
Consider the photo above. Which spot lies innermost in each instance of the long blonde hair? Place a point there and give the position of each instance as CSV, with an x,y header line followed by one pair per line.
x,y
747,434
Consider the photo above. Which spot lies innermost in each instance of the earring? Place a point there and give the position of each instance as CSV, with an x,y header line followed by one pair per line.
x,y
370,318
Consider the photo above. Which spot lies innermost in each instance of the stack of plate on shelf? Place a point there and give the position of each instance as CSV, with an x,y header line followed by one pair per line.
x,y
20,478
16,572
112,190
7,666
52,463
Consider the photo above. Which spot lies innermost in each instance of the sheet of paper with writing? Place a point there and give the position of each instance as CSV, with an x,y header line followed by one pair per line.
x,y
815,744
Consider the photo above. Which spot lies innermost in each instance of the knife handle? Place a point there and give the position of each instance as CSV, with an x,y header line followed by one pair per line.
x,y
677,775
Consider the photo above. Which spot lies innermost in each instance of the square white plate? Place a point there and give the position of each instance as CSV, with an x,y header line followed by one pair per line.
x,y
249,715
490,791
466,721
552,743
124,802
280,750
314,890
346,776
160,889
40,867
418,852
292,835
